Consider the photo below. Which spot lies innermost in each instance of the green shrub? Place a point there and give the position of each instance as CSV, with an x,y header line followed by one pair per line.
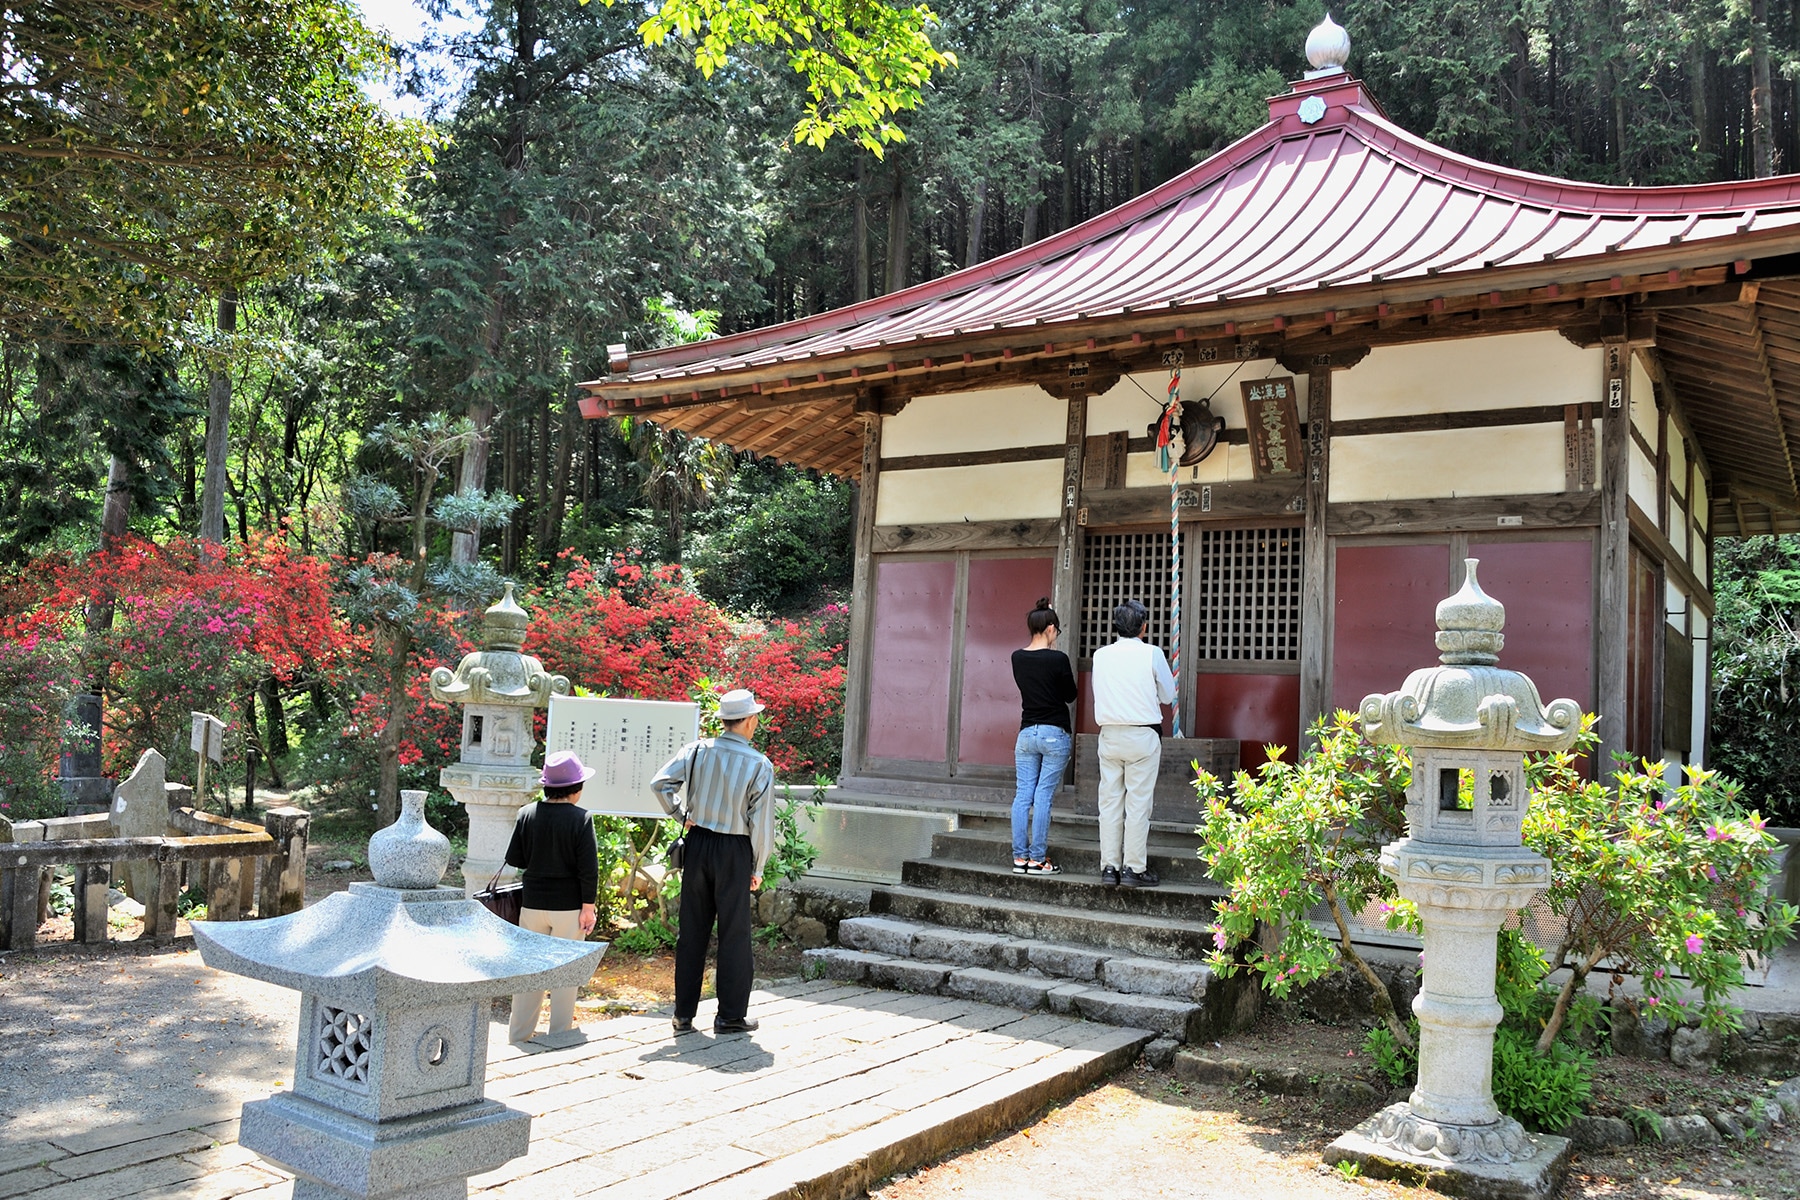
x,y
1397,1061
651,934
1543,1091
1297,836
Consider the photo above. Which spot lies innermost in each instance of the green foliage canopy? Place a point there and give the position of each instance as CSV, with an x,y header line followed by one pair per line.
x,y
152,149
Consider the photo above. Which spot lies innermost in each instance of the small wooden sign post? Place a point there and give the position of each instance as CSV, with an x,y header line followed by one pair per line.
x,y
1272,414
207,742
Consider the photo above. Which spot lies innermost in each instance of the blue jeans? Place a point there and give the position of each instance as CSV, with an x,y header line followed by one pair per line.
x,y
1041,753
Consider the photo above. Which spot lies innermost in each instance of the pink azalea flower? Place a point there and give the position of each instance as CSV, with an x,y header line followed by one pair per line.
x,y
1711,872
1694,943
1219,941
1714,834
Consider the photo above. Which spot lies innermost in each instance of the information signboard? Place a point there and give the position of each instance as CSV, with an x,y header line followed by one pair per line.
x,y
625,742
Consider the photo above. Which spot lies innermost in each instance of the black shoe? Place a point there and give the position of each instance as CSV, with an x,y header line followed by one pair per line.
x,y
736,1025
1138,879
683,1024
1109,877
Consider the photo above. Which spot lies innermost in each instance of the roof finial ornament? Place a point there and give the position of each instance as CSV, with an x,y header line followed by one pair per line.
x,y
1327,48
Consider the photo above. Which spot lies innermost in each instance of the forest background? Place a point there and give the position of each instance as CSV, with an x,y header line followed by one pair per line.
x,y
270,453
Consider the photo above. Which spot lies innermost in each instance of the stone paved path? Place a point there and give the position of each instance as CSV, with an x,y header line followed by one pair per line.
x,y
841,1087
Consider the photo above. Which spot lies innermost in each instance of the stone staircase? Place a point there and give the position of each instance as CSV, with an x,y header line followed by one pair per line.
x,y
960,923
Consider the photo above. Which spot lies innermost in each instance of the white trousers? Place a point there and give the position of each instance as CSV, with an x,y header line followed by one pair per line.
x,y
527,1005
1130,756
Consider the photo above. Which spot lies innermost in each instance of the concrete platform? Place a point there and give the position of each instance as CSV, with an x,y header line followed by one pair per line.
x,y
841,1087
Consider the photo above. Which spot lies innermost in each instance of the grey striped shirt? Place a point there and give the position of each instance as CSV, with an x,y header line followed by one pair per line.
x,y
730,789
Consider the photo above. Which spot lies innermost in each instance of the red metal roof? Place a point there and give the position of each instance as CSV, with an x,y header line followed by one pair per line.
x,y
1349,200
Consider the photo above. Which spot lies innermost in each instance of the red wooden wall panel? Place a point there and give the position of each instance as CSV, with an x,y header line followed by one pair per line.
x,y
1255,709
909,660
1548,591
1001,594
1384,620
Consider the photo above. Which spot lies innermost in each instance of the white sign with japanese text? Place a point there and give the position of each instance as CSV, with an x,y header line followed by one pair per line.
x,y
625,742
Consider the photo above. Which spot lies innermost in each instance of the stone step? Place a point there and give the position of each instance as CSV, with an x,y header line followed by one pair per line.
x,y
1184,1020
1175,861
1081,825
1080,964
1139,933
1184,901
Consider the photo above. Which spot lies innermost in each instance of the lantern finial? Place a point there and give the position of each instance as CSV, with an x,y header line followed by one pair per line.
x,y
1327,48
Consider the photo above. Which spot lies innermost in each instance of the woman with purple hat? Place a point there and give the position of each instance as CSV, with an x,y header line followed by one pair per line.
x,y
553,848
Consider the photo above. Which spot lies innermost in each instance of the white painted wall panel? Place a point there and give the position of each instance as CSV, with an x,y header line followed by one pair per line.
x,y
992,419
1507,371
1643,403
1643,481
1226,464
999,492
1677,462
1702,635
1702,503
1511,460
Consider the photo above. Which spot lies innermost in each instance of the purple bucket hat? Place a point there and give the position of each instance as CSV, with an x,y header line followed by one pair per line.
x,y
562,768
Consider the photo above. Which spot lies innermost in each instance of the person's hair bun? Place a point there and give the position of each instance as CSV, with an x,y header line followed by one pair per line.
x,y
1042,604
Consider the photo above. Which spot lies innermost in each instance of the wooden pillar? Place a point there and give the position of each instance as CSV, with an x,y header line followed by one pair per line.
x,y
1065,593
862,598
1315,615
1613,619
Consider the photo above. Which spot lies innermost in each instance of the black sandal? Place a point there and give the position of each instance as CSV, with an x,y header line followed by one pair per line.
x,y
1020,866
1044,868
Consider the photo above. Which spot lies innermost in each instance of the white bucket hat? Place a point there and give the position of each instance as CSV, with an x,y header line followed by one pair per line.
x,y
737,704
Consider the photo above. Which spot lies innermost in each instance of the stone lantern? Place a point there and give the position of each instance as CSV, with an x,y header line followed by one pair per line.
x,y
1467,724
395,981
500,689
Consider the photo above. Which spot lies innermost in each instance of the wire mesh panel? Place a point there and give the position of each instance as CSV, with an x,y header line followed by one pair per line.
x,y
1117,567
1247,606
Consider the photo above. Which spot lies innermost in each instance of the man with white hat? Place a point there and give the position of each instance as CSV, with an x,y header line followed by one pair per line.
x,y
729,811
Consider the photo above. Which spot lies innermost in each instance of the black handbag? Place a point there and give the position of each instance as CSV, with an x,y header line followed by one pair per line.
x,y
678,853
505,901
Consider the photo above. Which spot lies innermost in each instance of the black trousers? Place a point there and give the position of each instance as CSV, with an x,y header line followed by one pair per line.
x,y
715,885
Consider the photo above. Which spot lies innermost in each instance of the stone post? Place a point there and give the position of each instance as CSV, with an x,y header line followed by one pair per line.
x,y
1467,724
140,808
395,978
84,788
284,872
499,689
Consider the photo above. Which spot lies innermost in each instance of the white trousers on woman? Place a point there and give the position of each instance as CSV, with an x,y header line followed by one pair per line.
x,y
527,1005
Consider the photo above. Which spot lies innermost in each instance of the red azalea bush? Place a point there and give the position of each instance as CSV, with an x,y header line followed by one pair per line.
x,y
195,626
626,630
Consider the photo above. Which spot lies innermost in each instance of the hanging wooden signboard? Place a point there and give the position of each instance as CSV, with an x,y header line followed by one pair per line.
x,y
1272,413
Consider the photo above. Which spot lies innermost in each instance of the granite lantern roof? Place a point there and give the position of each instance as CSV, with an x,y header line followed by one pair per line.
x,y
1328,225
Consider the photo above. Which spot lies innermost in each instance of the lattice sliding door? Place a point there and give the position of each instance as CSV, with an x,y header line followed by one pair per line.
x,y
1117,567
1247,595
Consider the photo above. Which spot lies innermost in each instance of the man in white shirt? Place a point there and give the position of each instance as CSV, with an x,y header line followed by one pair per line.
x,y
1131,683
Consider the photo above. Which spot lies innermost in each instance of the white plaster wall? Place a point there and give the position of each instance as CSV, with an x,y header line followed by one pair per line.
x,y
1642,476
1701,632
1675,603
993,419
1505,371
998,492
1699,565
1702,503
1643,401
1677,463
1505,461
1226,464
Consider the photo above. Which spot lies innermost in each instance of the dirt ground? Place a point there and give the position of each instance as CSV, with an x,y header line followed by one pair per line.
x,y
1147,1134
